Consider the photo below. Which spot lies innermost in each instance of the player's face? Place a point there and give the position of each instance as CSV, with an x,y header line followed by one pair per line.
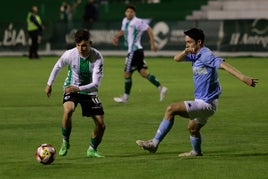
x,y
129,13
83,48
192,45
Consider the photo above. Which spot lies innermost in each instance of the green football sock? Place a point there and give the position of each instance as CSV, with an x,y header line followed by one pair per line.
x,y
66,133
128,84
94,142
153,80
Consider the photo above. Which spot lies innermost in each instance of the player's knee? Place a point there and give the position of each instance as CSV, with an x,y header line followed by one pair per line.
x,y
144,75
194,131
71,111
170,110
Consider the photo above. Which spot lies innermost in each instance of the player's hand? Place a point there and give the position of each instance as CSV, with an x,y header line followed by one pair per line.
x,y
189,50
115,41
251,81
48,90
154,48
71,89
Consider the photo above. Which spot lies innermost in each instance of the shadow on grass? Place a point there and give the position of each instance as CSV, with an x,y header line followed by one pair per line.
x,y
143,153
223,153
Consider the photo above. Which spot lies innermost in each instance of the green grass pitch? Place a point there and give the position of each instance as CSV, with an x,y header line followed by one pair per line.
x,y
235,141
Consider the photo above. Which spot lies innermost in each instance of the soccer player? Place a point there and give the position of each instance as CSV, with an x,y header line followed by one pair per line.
x,y
207,91
85,66
132,29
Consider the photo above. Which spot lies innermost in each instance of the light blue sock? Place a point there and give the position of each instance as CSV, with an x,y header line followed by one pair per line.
x,y
196,144
162,130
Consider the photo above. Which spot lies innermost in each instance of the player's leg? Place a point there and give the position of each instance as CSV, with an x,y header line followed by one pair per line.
x,y
128,84
98,132
165,126
199,111
128,71
143,70
68,109
96,136
195,139
150,77
127,88
92,107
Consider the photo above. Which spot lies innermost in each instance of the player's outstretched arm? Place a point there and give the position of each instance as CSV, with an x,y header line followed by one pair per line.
x,y
246,79
116,37
151,37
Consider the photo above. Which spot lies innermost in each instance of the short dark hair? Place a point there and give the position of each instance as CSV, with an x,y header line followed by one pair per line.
x,y
82,34
129,6
196,34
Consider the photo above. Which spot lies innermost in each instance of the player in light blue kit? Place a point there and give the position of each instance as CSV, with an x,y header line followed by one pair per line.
x,y
207,91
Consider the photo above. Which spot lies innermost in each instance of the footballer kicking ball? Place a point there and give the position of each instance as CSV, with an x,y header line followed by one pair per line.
x,y
45,154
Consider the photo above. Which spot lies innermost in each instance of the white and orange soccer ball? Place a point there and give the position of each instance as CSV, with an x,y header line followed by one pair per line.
x,y
45,154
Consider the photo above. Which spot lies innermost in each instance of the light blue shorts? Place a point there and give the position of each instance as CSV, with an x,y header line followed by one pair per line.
x,y
200,110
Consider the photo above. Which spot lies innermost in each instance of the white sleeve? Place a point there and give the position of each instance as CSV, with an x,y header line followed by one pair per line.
x,y
142,25
123,26
56,69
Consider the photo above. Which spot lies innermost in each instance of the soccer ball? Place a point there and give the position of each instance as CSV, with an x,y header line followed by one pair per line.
x,y
45,154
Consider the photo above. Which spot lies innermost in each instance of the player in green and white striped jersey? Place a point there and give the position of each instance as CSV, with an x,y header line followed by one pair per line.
x,y
85,66
132,30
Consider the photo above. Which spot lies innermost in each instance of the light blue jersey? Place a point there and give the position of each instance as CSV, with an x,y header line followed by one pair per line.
x,y
205,65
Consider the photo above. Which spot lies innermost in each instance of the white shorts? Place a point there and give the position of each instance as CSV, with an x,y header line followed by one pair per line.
x,y
200,110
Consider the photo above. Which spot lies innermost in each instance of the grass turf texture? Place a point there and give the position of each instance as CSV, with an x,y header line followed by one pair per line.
x,y
235,140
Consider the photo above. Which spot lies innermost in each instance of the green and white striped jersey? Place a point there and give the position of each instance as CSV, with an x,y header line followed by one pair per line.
x,y
85,73
133,30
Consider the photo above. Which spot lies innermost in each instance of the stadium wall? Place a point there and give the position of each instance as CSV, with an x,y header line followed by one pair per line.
x,y
228,37
248,37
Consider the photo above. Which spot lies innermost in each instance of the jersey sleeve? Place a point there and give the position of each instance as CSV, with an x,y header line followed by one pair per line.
x,y
206,57
124,21
142,25
212,60
62,62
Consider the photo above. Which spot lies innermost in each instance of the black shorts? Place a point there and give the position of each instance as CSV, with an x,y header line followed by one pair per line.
x,y
90,104
135,61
